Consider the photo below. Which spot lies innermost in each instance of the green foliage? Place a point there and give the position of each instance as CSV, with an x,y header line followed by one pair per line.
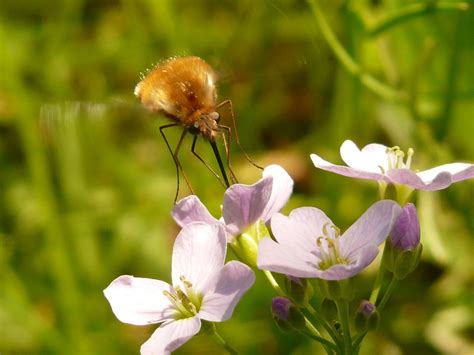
x,y
87,185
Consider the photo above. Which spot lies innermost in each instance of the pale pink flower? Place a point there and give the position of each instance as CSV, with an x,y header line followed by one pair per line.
x,y
204,288
381,163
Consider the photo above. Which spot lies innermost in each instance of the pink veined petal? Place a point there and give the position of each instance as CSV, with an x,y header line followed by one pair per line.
x,y
190,209
300,230
372,228
198,254
461,170
279,258
345,170
139,301
244,204
282,189
371,158
358,262
221,297
412,179
171,336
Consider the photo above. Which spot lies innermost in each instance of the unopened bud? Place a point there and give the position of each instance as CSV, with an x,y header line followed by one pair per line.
x,y
366,317
286,315
406,231
403,250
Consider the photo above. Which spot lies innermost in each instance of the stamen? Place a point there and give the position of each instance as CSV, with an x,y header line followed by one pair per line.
x,y
329,253
410,153
186,302
395,158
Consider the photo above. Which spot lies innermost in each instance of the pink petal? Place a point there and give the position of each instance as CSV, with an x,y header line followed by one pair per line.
x,y
372,228
190,209
222,296
459,171
171,336
282,188
276,257
364,257
371,158
198,254
139,301
245,204
345,170
413,180
300,229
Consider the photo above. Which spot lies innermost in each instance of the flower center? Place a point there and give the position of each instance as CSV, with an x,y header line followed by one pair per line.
x,y
395,158
328,245
186,301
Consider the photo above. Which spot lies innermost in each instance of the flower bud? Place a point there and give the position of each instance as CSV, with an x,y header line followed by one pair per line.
x,y
403,250
286,315
299,290
366,317
406,231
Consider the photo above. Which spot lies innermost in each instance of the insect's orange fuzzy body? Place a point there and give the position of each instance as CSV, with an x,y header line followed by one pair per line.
x,y
184,90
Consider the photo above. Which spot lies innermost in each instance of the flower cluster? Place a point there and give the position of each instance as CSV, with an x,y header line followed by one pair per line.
x,y
303,245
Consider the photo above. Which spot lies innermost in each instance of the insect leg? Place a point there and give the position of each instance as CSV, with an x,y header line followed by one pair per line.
x,y
237,140
202,160
226,136
174,154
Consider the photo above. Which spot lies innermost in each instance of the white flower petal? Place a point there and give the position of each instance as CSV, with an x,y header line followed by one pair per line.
x,y
279,258
245,204
372,228
282,188
410,178
300,230
198,254
345,170
171,336
225,292
371,158
359,261
139,301
456,169
190,209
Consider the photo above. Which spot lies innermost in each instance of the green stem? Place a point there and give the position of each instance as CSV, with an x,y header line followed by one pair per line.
x,y
378,279
351,65
314,334
412,11
323,322
388,293
343,311
273,282
358,340
221,341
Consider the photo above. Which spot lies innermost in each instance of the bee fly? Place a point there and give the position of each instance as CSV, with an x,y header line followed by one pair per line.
x,y
184,90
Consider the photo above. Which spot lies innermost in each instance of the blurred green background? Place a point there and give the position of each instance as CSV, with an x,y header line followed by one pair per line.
x,y
87,185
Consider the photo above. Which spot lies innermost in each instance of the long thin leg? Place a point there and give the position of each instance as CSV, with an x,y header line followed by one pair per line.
x,y
174,154
219,161
231,109
202,160
226,135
